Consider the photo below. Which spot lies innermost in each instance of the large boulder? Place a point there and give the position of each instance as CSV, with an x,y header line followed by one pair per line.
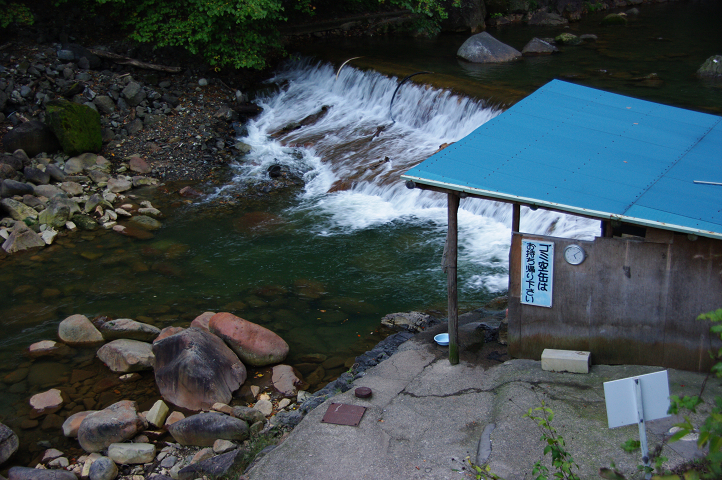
x,y
205,428
117,423
125,355
77,127
127,328
34,137
220,466
467,16
78,331
26,473
22,238
9,188
254,344
8,443
711,68
547,19
483,48
195,369
537,46
57,213
18,210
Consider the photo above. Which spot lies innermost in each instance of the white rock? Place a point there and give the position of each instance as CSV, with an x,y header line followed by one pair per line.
x,y
70,226
223,446
255,390
51,454
157,414
264,406
48,236
47,402
131,453
123,212
85,472
60,462
284,403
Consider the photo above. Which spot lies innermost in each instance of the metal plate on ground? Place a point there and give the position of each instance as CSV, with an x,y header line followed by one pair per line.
x,y
343,414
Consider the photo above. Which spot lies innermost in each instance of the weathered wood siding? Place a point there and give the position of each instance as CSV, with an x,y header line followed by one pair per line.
x,y
632,301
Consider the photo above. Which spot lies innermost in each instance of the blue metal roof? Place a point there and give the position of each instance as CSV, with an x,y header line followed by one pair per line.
x,y
581,150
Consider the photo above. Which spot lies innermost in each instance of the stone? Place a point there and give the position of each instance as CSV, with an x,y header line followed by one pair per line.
x,y
78,331
615,19
6,171
72,423
22,238
102,468
537,46
222,408
173,418
139,165
711,68
56,174
167,332
9,188
254,344
48,348
36,176
203,454
98,177
483,48
57,213
34,137
125,355
410,321
547,19
51,454
567,39
133,94
565,361
118,185
221,466
72,188
60,462
105,104
9,443
195,369
145,222
25,473
52,422
223,446
114,424
47,402
18,210
285,380
127,328
49,191
157,414
131,453
201,321
205,428
265,407
77,127
84,222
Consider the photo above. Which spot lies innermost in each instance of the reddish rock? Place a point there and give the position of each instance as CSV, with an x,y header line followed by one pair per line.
x,y
285,380
139,165
254,344
115,424
172,418
201,321
72,423
189,192
46,402
167,332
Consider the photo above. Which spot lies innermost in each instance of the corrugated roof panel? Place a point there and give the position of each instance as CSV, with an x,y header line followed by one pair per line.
x,y
583,150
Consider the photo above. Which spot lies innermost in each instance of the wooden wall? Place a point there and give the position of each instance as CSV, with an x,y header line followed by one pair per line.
x,y
632,301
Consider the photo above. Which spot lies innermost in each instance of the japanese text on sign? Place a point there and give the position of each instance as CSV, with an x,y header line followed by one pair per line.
x,y
537,272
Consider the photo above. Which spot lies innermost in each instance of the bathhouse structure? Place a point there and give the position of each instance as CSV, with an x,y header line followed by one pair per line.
x,y
650,173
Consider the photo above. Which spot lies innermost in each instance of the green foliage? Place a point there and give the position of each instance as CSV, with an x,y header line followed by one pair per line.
x,y
15,13
631,446
593,7
496,15
482,472
562,461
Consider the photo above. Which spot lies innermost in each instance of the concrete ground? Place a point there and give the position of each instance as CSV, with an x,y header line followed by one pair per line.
x,y
426,417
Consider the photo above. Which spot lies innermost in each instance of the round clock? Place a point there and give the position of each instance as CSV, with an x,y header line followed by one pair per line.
x,y
574,254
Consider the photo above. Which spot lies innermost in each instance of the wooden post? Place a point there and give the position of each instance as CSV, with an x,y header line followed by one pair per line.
x,y
451,261
515,217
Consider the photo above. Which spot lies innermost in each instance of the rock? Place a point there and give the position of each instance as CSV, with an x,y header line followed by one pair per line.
x,y
50,191
34,137
221,466
9,443
139,165
167,332
157,414
60,462
189,192
51,454
131,453
36,176
254,344
72,423
195,369
203,454
84,222
25,473
48,348
105,104
118,185
9,188
114,424
468,16
75,52
250,415
140,181
145,222
125,355
285,381
17,210
711,68
72,188
103,468
567,39
133,94
127,328
6,171
201,321
98,177
547,19
173,418
410,321
265,407
46,402
223,446
77,127
56,174
22,238
483,48
537,46
78,331
57,213
205,428
222,408
615,19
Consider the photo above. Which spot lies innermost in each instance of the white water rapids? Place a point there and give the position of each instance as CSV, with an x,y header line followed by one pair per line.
x,y
352,168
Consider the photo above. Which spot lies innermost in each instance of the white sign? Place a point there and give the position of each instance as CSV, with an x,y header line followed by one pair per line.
x,y
537,272
621,399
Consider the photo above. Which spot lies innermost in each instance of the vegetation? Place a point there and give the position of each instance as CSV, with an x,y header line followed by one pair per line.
x,y
14,13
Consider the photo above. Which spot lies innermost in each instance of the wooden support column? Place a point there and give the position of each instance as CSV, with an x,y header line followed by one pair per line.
x,y
515,217
452,237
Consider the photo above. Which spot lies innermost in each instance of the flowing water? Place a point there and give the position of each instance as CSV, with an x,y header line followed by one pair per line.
x,y
319,264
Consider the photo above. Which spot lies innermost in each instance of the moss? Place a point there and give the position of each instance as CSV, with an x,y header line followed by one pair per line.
x,y
76,126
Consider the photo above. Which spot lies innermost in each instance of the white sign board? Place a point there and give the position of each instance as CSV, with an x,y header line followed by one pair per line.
x,y
537,272
621,399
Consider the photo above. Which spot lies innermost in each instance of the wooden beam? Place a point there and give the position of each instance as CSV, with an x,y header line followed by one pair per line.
x,y
515,217
452,240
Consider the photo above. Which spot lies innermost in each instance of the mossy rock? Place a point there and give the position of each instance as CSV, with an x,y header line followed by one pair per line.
x,y
76,126
567,39
615,19
711,68
84,222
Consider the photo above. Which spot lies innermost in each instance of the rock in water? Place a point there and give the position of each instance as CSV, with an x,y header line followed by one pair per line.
x,y
78,331
127,328
195,369
483,48
205,428
252,343
711,68
8,443
22,238
25,473
34,137
117,423
77,127
125,355
537,46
